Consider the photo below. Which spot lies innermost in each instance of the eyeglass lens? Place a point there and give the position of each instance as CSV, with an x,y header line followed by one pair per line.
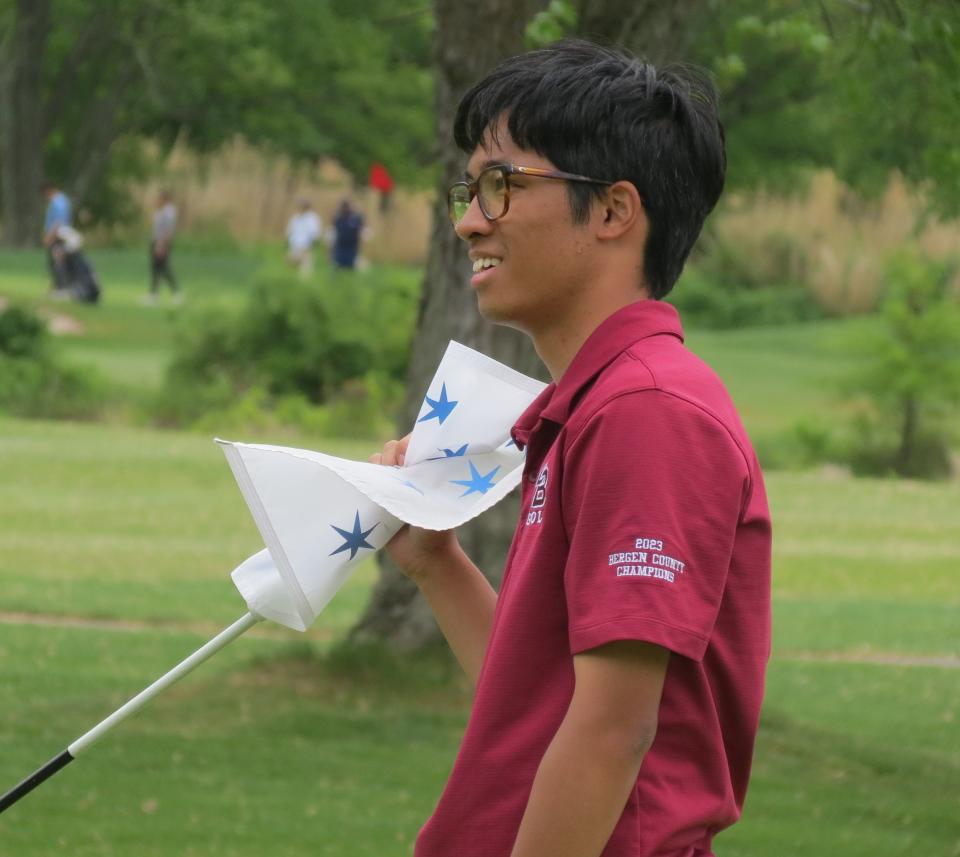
x,y
492,190
459,202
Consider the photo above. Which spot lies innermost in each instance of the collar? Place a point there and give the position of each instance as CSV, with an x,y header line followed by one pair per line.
x,y
608,341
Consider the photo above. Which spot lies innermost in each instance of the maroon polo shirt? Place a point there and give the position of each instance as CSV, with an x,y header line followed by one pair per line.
x,y
643,518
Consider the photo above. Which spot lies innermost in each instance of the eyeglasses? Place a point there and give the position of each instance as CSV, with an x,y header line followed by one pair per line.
x,y
492,189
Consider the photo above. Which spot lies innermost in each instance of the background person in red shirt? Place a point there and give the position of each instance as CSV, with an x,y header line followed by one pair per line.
x,y
619,671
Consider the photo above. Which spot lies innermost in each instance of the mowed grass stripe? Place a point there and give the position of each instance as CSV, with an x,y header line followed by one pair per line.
x,y
853,760
266,749
107,521
270,748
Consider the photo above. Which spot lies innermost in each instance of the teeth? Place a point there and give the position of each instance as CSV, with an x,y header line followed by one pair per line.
x,y
484,263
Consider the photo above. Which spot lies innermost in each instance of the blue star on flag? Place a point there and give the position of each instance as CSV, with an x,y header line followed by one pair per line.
x,y
440,408
450,453
476,482
409,484
354,540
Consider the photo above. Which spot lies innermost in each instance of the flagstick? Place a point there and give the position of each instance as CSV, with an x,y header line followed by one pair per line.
x,y
228,635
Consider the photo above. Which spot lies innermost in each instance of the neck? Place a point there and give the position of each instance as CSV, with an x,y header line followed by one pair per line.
x,y
558,342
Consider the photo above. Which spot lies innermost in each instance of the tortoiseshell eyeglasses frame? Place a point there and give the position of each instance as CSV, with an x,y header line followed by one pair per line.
x,y
473,188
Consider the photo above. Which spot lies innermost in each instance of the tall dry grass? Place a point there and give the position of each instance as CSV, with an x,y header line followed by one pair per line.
x,y
247,196
839,243
823,237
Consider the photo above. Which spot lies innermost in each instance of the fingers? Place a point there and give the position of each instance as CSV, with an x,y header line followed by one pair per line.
x,y
390,453
394,452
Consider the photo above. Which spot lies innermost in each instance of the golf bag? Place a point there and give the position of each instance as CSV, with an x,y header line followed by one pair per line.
x,y
75,277
81,279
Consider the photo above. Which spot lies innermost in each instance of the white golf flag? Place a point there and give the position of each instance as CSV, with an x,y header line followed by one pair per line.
x,y
320,515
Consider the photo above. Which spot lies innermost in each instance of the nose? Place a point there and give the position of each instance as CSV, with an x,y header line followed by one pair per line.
x,y
473,222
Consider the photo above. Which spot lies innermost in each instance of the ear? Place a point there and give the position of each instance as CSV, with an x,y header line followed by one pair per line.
x,y
621,211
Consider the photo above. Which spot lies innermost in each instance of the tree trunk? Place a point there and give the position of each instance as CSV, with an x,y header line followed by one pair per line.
x,y
469,41
908,437
21,123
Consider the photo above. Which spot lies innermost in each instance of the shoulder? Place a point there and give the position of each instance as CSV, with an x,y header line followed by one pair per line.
x,y
663,396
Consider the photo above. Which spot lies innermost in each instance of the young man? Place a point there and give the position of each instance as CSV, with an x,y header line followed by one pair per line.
x,y
619,672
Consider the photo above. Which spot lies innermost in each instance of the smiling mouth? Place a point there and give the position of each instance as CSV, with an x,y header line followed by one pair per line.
x,y
485,263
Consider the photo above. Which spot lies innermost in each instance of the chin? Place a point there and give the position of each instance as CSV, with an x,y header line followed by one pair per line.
x,y
504,316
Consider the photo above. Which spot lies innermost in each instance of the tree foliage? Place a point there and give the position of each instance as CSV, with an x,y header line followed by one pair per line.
x,y
912,375
863,87
897,99
81,84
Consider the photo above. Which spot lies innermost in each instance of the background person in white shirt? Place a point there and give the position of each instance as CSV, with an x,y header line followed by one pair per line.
x,y
161,249
303,231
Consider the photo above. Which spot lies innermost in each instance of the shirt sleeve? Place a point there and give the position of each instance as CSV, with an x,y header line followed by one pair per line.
x,y
58,213
653,489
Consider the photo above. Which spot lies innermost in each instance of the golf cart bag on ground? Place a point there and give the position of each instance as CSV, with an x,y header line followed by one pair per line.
x,y
78,279
81,279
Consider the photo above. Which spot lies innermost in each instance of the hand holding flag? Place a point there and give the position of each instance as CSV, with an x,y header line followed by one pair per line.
x,y
320,515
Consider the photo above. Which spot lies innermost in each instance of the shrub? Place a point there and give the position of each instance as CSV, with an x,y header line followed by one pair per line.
x,y
706,303
363,412
22,334
905,396
875,445
805,444
912,375
729,285
33,383
332,354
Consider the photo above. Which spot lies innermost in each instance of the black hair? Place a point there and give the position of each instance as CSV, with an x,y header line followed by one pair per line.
x,y
604,113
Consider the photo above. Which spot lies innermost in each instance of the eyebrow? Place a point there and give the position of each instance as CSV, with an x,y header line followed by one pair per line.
x,y
490,162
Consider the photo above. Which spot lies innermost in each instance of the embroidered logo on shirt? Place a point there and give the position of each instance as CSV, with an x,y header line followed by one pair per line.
x,y
647,559
535,515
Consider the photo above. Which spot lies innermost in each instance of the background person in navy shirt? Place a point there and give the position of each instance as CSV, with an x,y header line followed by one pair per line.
x,y
347,232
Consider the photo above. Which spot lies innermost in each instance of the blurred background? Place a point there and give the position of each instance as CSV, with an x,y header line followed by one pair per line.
x,y
227,219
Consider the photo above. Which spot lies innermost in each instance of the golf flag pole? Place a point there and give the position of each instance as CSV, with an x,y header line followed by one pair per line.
x,y
321,516
228,635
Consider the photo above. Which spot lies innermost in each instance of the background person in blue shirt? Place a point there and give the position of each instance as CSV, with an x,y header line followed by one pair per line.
x,y
58,214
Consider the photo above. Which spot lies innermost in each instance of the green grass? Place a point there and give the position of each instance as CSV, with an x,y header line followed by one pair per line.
x,y
118,522
853,760
122,539
263,752
274,748
866,564
780,375
776,376
127,342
